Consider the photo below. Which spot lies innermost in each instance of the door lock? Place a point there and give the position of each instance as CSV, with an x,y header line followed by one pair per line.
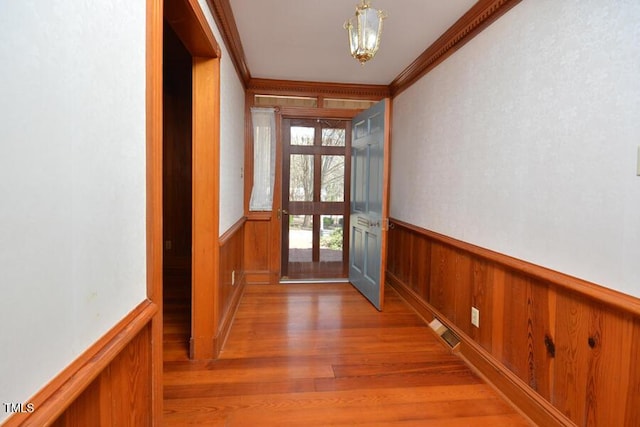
x,y
281,212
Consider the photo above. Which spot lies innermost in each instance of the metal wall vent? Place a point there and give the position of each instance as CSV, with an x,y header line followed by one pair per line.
x,y
444,333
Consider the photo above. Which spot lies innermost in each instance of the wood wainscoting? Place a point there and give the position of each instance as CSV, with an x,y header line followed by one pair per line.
x,y
564,350
259,236
110,384
231,278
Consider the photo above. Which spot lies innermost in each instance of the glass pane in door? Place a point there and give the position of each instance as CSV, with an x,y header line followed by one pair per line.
x,y
300,238
332,179
331,238
301,135
333,137
301,178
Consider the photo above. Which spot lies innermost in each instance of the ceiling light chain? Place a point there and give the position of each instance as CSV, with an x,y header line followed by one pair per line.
x,y
364,30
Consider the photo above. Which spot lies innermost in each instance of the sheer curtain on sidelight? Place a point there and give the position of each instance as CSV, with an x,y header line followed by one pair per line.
x,y
264,158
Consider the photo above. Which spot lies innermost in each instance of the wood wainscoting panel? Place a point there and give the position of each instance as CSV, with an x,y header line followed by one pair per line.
x,y
450,269
110,384
91,407
633,392
128,383
399,262
525,325
594,358
482,298
419,271
563,349
257,240
231,278
119,395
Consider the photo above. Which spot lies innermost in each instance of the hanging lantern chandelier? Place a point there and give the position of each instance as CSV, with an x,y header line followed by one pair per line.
x,y
365,29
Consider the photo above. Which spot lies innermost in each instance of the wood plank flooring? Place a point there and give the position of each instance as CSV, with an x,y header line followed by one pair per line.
x,y
321,355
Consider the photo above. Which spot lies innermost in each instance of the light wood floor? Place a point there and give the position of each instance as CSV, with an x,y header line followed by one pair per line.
x,y
320,355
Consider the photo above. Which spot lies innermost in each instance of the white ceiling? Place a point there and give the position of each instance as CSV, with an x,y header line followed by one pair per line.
x,y
305,39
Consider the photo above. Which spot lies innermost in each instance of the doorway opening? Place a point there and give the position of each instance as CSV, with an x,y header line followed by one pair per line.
x,y
316,167
177,191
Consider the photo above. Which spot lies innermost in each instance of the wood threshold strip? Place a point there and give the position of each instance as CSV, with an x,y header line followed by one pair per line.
x,y
591,290
512,388
52,400
480,16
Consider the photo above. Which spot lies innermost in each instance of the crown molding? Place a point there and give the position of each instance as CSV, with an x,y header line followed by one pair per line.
x,y
480,16
223,15
328,90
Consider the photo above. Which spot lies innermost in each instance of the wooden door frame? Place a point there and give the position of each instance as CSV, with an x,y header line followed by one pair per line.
x,y
282,113
154,175
188,21
316,151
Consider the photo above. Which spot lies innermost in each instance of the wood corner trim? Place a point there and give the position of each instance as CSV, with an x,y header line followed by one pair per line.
x,y
223,15
483,13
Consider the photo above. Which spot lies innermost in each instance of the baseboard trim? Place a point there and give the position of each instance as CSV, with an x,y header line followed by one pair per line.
x,y
54,398
227,320
258,277
512,388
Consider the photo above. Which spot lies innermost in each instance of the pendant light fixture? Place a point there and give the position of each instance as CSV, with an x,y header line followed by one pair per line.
x,y
365,29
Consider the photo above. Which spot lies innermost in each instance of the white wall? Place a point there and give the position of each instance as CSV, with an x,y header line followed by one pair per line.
x,y
525,141
72,181
231,135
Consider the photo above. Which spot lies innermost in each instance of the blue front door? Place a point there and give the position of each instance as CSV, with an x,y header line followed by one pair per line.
x,y
368,212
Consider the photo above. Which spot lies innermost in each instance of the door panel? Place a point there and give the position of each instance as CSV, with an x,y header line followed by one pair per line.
x,y
369,174
359,198
357,263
